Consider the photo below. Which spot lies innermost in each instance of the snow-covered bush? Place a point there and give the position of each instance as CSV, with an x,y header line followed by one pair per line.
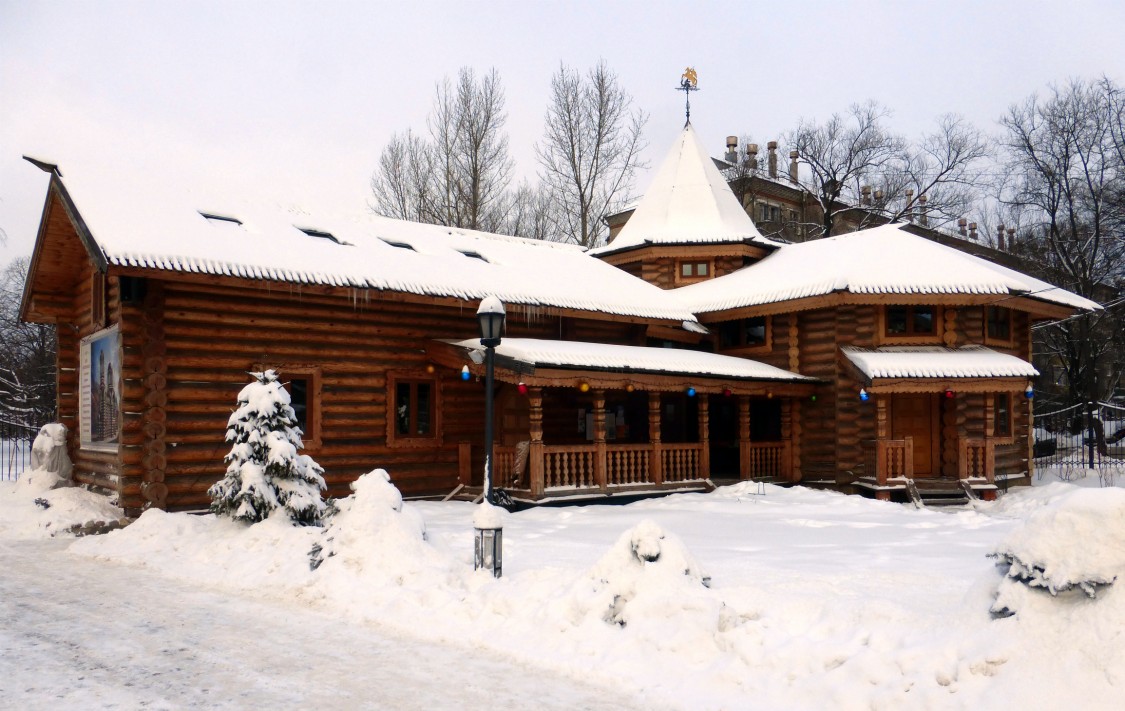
x,y
264,471
374,536
1075,541
649,580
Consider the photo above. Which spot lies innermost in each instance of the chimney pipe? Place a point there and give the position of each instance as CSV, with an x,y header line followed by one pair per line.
x,y
752,156
865,193
972,230
1011,237
793,167
1000,236
923,217
910,204
732,149
961,227
772,158
878,195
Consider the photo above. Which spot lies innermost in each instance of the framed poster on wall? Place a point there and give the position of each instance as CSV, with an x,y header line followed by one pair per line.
x,y
99,391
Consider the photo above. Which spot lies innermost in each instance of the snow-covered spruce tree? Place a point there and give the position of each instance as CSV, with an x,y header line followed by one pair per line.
x,y
264,471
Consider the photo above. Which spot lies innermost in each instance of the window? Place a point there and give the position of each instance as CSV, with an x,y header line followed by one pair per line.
x,y
475,255
413,416
692,270
1002,415
753,332
302,382
905,321
998,324
97,300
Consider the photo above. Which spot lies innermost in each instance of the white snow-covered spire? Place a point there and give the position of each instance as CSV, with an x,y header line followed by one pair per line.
x,y
688,202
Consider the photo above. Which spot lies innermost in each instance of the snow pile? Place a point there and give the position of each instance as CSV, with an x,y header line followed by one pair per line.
x,y
374,535
41,504
1075,541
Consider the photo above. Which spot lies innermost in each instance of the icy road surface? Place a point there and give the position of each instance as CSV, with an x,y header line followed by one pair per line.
x,y
83,634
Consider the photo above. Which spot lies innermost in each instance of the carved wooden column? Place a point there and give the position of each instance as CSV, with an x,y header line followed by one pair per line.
x,y
881,434
705,435
535,450
744,437
599,439
656,463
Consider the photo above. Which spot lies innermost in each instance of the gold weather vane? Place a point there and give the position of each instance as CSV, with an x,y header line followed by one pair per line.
x,y
689,82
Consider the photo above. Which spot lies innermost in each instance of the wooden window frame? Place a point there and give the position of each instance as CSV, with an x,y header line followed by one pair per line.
x,y
98,300
1009,432
312,433
910,338
742,349
394,439
999,340
681,263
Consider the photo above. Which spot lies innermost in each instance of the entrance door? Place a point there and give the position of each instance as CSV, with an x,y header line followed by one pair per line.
x,y
917,416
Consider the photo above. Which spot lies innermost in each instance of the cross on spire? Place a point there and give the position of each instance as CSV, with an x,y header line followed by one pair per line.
x,y
689,82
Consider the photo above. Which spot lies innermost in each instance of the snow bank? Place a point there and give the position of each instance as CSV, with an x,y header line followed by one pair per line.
x,y
1075,540
40,504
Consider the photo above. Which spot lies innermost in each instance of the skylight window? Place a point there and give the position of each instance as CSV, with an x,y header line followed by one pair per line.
x,y
320,234
474,255
400,245
221,218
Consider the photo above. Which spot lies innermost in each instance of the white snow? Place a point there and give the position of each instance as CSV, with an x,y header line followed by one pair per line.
x,y
688,202
971,361
815,600
880,260
141,220
632,359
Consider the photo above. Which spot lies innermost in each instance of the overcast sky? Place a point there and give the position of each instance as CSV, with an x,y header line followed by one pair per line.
x,y
298,99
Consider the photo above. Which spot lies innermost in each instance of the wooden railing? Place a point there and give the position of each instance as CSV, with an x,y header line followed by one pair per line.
x,y
681,462
889,458
768,460
610,466
976,458
628,464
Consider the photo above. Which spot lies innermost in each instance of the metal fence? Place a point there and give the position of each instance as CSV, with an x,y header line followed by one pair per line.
x,y
15,448
1072,442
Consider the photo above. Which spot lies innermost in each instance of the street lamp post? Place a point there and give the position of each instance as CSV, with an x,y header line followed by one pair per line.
x,y
489,532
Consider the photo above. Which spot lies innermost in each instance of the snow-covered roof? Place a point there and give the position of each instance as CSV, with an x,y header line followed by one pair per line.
x,y
140,220
880,260
633,359
688,202
937,362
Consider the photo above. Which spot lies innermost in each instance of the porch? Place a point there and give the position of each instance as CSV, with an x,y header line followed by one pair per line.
x,y
640,428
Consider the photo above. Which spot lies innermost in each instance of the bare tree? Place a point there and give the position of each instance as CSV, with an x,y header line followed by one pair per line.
x,y
27,355
1063,158
459,176
530,213
847,153
590,151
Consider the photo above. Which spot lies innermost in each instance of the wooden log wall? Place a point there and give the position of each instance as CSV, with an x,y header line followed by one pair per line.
x,y
213,335
101,470
816,336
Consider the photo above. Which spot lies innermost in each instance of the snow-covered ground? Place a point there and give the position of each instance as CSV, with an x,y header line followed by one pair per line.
x,y
815,600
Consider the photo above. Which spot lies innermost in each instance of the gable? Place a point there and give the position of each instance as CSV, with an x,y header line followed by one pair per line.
x,y
64,251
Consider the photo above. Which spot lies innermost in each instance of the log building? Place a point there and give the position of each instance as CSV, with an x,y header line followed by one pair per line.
x,y
688,349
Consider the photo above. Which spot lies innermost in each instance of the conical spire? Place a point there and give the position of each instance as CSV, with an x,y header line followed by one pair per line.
x,y
688,202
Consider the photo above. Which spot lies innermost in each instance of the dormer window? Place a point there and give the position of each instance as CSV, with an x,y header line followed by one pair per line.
x,y
224,219
401,245
320,234
474,255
